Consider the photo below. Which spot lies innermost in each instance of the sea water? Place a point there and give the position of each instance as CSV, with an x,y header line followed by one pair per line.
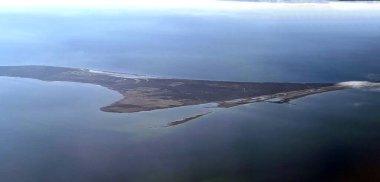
x,y
54,131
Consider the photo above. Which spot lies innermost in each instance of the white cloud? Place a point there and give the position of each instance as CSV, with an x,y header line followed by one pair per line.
x,y
359,84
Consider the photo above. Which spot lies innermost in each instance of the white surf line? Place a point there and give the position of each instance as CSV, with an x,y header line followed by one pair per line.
x,y
135,77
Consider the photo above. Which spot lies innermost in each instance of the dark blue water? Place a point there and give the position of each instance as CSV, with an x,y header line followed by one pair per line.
x,y
54,131
310,45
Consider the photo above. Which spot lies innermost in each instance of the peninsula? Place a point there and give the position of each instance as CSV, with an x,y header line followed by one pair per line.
x,y
144,93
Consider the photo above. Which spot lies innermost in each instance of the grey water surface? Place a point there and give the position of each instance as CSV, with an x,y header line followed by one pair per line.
x,y
54,131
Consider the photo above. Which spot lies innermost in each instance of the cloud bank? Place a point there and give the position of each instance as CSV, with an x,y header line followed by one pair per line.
x,y
359,84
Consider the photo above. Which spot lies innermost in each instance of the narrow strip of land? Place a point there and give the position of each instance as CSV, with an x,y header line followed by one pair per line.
x,y
184,120
145,93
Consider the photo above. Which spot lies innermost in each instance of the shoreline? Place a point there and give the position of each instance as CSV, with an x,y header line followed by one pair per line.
x,y
144,93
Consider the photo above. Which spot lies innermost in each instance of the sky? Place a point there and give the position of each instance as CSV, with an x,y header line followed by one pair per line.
x,y
157,4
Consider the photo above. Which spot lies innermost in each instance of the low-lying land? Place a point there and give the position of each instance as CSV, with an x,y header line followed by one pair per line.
x,y
184,120
143,93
